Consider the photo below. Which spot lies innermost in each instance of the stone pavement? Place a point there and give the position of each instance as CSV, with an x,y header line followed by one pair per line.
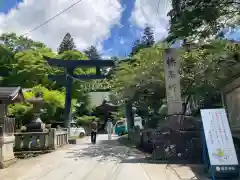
x,y
107,160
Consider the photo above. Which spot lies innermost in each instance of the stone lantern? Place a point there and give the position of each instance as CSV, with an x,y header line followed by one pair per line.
x,y
36,124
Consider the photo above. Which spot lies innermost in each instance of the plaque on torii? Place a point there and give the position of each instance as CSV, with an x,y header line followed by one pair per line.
x,y
67,78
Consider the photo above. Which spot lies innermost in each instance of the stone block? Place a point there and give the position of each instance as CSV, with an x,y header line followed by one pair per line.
x,y
6,151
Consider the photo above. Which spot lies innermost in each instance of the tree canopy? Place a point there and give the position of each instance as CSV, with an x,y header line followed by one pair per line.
x,y
147,40
23,63
204,71
206,66
66,44
92,53
19,43
201,19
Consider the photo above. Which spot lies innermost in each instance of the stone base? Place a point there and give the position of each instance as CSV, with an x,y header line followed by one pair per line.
x,y
7,154
8,163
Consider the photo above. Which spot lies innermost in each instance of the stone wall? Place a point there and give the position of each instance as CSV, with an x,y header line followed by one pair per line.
x,y
231,99
233,106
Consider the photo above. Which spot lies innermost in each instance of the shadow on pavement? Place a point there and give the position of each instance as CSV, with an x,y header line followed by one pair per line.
x,y
111,150
106,150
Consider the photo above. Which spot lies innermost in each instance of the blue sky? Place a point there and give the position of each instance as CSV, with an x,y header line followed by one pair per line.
x,y
120,41
122,37
6,5
113,46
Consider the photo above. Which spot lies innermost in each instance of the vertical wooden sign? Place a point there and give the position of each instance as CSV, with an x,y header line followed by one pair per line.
x,y
172,81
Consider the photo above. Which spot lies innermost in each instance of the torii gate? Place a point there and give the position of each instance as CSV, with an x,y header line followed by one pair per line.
x,y
67,78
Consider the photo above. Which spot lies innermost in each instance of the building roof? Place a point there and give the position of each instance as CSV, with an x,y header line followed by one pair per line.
x,y
11,94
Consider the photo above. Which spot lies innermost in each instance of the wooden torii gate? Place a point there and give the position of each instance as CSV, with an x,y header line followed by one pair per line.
x,y
67,78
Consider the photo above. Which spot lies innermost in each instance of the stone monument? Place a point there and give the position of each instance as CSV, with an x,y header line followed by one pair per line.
x,y
36,124
172,81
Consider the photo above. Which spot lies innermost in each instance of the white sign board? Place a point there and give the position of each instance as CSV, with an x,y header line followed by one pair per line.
x,y
218,136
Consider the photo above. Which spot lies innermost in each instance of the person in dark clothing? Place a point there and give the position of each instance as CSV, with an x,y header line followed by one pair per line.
x,y
94,132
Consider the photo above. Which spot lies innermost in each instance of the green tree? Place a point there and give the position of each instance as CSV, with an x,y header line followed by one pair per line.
x,y
29,68
140,79
66,44
137,46
53,106
207,68
147,40
204,71
72,55
92,53
200,19
6,59
148,37
76,55
19,43
20,112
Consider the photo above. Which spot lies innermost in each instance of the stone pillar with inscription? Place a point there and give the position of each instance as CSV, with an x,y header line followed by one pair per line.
x,y
172,81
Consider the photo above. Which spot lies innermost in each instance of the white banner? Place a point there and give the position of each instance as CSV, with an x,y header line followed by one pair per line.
x,y
218,136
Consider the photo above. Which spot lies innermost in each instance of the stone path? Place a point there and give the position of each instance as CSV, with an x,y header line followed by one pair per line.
x,y
107,160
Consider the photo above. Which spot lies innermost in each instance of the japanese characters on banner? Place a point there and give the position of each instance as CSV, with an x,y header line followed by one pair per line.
x,y
219,140
172,81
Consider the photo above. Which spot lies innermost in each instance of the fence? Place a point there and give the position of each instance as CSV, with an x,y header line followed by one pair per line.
x,y
40,141
61,137
9,126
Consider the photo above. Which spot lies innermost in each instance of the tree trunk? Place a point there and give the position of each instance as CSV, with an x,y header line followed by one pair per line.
x,y
129,114
185,104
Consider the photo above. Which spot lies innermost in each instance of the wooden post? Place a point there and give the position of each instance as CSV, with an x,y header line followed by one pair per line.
x,y
172,81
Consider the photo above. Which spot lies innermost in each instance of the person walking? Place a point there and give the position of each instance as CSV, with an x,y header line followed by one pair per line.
x,y
94,131
109,129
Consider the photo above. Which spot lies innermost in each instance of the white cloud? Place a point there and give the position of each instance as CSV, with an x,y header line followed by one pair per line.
x,y
106,57
89,22
153,13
